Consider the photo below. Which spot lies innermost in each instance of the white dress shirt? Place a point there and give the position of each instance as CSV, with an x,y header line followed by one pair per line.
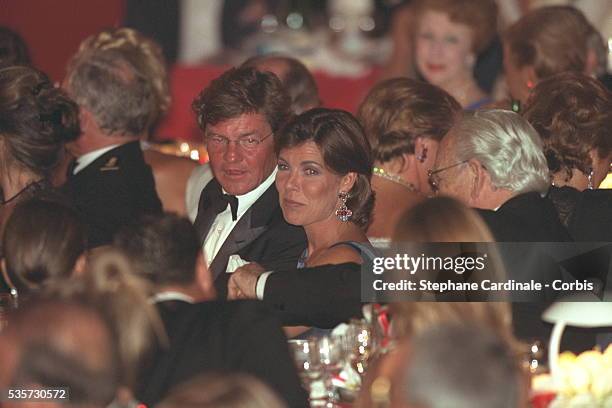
x,y
88,158
223,224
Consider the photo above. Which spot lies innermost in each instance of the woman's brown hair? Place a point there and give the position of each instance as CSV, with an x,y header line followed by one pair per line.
x,y
42,242
397,111
36,119
344,148
573,115
550,39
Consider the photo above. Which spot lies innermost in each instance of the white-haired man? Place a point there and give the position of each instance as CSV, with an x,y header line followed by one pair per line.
x,y
493,160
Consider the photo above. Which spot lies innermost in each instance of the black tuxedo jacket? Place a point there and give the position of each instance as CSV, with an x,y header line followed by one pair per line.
x,y
323,296
526,218
531,218
262,235
241,336
115,189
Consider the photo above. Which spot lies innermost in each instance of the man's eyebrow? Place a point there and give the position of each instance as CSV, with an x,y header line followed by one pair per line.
x,y
247,133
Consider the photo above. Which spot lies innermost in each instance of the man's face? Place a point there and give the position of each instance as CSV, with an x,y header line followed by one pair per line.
x,y
239,169
450,176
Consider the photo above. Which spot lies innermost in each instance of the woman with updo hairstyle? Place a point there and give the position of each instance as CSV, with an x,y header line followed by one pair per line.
x,y
449,35
44,242
545,42
404,120
36,119
573,115
170,172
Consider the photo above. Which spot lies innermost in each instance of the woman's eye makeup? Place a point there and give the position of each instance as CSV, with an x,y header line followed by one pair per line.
x,y
311,172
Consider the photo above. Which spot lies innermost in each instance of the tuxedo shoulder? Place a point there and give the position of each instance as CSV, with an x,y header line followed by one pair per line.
x,y
234,308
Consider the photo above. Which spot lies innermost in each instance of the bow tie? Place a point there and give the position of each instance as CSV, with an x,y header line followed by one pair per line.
x,y
70,170
233,203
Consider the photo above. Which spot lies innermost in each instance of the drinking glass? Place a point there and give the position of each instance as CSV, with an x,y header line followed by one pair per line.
x,y
361,344
308,362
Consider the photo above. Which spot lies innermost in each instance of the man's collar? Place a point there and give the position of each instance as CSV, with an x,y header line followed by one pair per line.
x,y
165,296
90,157
245,201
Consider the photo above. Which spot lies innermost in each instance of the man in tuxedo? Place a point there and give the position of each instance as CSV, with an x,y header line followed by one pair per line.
x,y
109,182
493,161
239,213
204,335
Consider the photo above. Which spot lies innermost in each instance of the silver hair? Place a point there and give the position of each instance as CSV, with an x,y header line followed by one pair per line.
x,y
507,146
113,89
462,366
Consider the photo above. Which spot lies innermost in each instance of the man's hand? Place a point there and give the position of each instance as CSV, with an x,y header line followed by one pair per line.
x,y
243,282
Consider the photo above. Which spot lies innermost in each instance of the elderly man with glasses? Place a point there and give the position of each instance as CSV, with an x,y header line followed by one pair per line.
x,y
493,161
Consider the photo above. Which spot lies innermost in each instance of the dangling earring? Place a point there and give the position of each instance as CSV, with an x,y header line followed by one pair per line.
x,y
423,155
343,213
590,178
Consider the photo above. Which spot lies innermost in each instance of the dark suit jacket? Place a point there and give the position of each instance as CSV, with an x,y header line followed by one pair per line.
x,y
112,191
526,218
586,214
531,218
262,235
324,296
241,336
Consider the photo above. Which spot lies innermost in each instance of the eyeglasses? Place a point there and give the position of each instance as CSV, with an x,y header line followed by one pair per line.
x,y
434,182
248,143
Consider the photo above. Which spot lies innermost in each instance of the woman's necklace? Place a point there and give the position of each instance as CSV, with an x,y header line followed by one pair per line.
x,y
377,171
20,192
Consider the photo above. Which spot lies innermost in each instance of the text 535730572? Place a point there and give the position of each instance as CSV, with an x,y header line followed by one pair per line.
x,y
60,394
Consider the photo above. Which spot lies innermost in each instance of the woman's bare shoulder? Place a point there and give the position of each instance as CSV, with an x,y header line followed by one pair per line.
x,y
339,254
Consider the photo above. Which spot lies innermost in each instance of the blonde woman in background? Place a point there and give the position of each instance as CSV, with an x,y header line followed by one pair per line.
x,y
449,35
122,298
439,219
222,391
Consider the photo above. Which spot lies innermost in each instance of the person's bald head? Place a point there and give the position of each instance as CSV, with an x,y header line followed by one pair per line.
x,y
54,343
295,77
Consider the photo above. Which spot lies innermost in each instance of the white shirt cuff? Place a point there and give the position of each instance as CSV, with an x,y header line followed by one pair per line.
x,y
261,284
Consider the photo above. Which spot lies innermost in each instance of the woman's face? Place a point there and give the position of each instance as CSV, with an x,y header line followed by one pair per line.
x,y
443,49
308,190
601,166
517,79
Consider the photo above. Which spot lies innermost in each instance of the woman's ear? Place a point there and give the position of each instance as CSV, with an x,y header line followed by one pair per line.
x,y
80,265
479,176
348,181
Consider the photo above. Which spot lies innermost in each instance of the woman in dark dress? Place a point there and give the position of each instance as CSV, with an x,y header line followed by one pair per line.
x,y
36,119
573,114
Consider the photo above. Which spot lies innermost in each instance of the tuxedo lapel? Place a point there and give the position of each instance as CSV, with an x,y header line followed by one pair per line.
x,y
206,211
241,236
250,226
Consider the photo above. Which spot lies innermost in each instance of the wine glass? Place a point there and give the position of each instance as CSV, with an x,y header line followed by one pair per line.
x,y
361,344
8,302
308,362
332,355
